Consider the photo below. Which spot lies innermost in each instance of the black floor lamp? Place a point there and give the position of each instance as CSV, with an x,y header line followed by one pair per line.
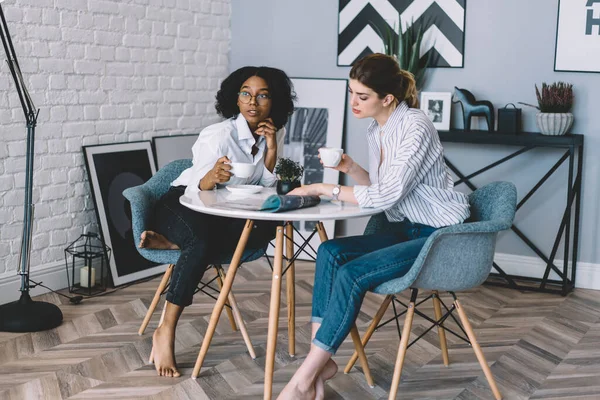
x,y
25,315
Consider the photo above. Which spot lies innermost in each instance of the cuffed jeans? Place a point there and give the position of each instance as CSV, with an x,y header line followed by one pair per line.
x,y
202,239
348,267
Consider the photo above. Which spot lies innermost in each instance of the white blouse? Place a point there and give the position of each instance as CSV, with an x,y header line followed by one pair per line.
x,y
412,181
231,138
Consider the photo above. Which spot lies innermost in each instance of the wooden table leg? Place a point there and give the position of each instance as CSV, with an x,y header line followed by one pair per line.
x,y
291,288
273,314
214,318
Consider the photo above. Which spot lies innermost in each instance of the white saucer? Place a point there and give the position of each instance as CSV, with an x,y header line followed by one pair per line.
x,y
244,189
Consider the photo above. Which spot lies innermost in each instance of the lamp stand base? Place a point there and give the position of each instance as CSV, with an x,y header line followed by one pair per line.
x,y
26,315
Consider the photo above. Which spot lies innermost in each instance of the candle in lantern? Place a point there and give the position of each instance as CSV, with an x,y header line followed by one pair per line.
x,y
85,275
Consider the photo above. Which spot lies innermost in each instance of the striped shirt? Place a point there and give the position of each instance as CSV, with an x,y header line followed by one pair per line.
x,y
411,181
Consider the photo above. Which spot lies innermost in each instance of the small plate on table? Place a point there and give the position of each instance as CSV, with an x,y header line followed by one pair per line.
x,y
244,189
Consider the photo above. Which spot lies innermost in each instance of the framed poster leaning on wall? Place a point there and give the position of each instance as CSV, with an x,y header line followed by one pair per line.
x,y
111,169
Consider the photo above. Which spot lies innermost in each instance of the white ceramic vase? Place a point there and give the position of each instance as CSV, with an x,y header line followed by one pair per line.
x,y
554,123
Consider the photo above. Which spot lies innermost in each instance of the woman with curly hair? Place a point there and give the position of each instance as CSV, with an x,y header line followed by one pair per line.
x,y
257,102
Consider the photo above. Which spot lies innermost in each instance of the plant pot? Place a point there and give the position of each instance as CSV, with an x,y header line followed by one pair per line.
x,y
554,123
284,187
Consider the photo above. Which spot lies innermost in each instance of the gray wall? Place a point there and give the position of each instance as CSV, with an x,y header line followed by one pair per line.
x,y
509,46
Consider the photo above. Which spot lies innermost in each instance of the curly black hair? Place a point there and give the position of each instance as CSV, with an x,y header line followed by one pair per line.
x,y
281,90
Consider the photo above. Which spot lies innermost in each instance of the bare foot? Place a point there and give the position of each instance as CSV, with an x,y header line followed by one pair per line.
x,y
153,240
294,391
163,347
328,372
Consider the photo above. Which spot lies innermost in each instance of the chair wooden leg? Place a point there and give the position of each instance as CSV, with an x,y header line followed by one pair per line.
x,y
214,318
480,357
238,317
437,309
291,289
370,330
274,314
322,232
234,327
361,355
161,287
403,346
162,318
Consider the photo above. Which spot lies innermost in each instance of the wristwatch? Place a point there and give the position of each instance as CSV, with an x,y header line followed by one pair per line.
x,y
335,193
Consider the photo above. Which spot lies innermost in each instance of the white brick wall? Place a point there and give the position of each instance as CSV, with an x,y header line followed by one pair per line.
x,y
101,71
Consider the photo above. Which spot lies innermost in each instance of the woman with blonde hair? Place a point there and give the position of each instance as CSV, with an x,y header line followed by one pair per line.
x,y
408,180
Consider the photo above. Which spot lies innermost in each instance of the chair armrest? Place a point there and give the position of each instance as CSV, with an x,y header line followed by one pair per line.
x,y
475,227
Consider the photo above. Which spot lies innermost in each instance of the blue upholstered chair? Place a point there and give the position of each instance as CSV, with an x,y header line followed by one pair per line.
x,y
454,258
142,200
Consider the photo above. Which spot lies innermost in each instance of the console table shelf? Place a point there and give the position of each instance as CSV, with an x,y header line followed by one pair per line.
x,y
573,146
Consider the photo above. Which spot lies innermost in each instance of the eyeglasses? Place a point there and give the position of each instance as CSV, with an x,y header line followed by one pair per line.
x,y
261,98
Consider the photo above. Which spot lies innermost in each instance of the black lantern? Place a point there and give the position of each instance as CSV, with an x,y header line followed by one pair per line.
x,y
90,255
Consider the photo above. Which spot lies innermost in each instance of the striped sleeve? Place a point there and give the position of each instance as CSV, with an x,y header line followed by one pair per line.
x,y
411,154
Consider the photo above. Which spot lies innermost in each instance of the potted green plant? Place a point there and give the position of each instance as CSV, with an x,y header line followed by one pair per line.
x,y
554,103
289,173
405,47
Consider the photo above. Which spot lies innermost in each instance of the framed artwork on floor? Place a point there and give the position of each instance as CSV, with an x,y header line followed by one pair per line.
x,y
578,36
171,148
111,169
438,107
362,22
318,121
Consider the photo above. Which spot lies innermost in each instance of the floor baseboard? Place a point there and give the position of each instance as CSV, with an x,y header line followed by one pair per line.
x,y
587,276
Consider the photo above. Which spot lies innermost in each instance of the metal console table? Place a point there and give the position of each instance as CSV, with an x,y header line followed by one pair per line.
x,y
573,145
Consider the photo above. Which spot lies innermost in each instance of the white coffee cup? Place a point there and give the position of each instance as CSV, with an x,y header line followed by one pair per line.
x,y
331,157
242,170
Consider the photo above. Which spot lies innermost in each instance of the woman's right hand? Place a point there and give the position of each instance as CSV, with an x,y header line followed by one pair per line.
x,y
345,165
218,174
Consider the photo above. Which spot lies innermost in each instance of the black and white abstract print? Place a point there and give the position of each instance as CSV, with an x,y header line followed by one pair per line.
x,y
443,23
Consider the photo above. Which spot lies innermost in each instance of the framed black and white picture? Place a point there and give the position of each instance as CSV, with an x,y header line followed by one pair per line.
x,y
361,22
111,169
171,148
437,106
318,121
578,36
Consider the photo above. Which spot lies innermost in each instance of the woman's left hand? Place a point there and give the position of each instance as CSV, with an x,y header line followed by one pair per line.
x,y
267,129
308,190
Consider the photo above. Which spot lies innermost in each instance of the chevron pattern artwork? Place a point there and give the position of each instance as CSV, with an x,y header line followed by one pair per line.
x,y
443,23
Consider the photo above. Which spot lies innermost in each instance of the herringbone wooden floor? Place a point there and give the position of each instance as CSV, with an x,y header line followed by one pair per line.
x,y
538,345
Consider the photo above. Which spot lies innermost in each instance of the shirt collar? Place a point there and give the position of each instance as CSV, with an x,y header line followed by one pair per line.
x,y
392,122
243,129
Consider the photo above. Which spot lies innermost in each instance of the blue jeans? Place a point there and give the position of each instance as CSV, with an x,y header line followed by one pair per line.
x,y
349,267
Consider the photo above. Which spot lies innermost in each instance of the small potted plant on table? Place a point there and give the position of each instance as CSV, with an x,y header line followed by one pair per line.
x,y
289,173
554,103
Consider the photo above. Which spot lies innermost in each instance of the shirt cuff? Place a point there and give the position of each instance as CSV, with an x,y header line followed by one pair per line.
x,y
268,178
191,190
361,192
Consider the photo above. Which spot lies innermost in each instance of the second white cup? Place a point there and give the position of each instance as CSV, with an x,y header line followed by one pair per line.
x,y
242,170
331,157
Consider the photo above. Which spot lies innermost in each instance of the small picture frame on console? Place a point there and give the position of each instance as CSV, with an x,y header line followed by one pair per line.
x,y
437,106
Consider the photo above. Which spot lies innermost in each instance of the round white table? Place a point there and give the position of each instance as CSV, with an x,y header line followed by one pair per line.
x,y
224,203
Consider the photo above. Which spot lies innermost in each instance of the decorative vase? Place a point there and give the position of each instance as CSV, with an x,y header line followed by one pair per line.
x,y
284,187
554,123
